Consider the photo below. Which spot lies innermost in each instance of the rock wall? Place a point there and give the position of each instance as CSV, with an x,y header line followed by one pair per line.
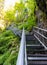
x,y
42,5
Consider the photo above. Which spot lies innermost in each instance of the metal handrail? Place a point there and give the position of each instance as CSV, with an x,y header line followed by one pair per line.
x,y
15,30
25,56
22,51
40,42
40,29
40,34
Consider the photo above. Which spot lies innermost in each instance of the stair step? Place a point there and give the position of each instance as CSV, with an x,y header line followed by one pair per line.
x,y
30,37
37,62
34,46
37,55
35,51
37,58
33,42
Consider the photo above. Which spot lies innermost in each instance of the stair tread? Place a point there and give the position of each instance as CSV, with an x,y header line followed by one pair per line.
x,y
37,62
37,50
30,37
33,42
29,47
37,58
37,55
33,45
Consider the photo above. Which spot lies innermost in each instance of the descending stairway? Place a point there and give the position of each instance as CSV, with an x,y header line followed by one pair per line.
x,y
32,51
36,54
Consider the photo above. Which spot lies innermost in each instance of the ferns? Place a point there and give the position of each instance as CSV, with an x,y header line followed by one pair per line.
x,y
9,45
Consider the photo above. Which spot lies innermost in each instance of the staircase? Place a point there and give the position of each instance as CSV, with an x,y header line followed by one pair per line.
x,y
33,50
36,53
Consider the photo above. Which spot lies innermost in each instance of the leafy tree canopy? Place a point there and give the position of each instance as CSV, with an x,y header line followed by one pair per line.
x,y
22,14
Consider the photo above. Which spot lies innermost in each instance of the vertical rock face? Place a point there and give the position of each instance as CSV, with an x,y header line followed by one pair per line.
x,y
42,4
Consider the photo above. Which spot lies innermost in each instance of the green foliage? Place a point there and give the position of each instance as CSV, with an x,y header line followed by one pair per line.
x,y
23,12
9,16
9,45
29,18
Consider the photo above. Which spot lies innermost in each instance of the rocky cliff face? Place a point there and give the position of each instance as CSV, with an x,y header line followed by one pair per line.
x,y
42,5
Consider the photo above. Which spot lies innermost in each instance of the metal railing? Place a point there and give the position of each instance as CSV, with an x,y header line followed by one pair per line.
x,y
15,30
40,29
40,36
22,56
